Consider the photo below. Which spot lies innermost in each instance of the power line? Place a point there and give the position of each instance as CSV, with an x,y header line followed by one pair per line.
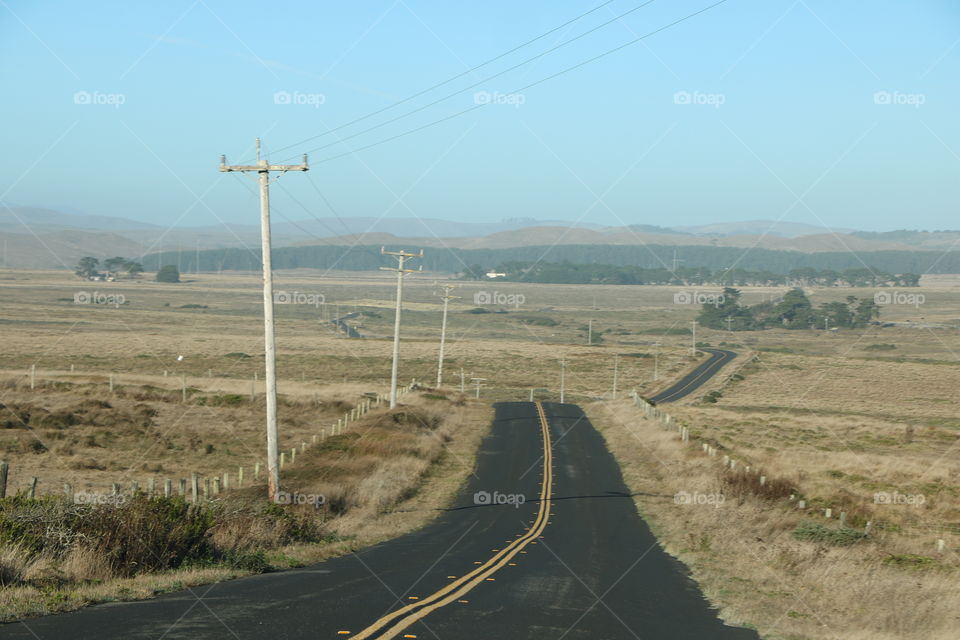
x,y
448,80
480,82
524,88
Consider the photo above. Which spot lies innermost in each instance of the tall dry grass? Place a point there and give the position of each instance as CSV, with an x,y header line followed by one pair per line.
x,y
414,457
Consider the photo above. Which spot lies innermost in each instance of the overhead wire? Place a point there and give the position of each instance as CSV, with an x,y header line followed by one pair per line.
x,y
341,139
448,80
525,87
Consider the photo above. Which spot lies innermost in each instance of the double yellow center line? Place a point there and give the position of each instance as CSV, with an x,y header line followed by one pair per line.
x,y
405,616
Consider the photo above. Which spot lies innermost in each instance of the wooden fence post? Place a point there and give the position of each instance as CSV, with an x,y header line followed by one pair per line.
x,y
33,487
167,487
195,487
4,471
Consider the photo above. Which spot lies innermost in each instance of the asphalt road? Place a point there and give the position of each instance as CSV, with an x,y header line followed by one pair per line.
x,y
544,542
696,378
341,324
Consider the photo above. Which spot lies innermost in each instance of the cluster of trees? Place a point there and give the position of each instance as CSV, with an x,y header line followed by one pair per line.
x,y
793,311
89,267
570,273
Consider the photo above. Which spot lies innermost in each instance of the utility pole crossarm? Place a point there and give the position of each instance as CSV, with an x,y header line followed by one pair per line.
x,y
262,164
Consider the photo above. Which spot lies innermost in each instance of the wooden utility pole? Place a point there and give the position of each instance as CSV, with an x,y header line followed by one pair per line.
x,y
446,297
693,346
479,382
616,372
656,360
401,257
263,169
563,376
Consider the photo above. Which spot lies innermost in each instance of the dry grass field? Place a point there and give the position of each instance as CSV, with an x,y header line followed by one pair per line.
x,y
838,415
874,438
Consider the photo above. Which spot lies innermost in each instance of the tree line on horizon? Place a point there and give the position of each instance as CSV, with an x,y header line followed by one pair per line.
x,y
569,273
453,260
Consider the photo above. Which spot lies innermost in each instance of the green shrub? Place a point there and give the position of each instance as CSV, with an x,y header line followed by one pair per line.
x,y
841,537
909,561
538,321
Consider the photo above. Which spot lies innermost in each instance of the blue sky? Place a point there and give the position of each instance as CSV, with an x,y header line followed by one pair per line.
x,y
750,110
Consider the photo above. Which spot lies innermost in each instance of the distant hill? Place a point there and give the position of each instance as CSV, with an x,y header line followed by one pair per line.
x,y
37,237
13,219
921,239
783,229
